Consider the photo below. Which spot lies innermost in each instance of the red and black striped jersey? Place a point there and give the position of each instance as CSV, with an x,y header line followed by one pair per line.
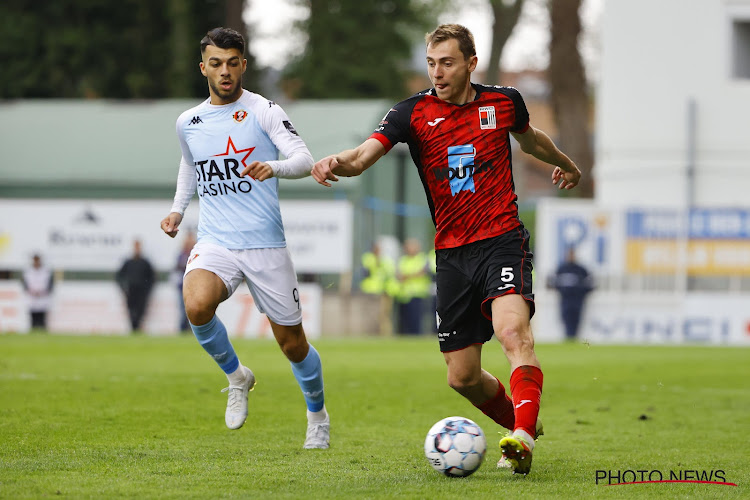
x,y
463,155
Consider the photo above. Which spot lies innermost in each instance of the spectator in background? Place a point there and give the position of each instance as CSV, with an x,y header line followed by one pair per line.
x,y
380,279
136,277
38,283
574,283
415,281
179,276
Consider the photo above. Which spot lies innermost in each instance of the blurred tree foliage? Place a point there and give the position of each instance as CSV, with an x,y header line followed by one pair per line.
x,y
359,49
124,49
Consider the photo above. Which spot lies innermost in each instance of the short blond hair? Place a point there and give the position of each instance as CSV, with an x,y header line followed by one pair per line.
x,y
453,31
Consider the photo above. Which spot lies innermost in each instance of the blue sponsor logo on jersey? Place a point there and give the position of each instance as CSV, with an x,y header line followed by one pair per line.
x,y
461,168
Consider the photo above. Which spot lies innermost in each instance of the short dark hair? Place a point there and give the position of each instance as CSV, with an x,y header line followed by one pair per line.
x,y
460,33
224,38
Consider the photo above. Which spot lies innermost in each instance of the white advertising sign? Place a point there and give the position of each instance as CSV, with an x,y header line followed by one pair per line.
x,y
14,315
596,234
97,235
650,318
622,247
319,235
98,307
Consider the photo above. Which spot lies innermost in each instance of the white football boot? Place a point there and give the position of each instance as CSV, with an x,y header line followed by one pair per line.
x,y
236,413
318,434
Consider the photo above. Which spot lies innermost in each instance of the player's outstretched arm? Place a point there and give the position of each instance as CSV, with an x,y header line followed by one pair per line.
x,y
349,163
296,166
170,223
535,142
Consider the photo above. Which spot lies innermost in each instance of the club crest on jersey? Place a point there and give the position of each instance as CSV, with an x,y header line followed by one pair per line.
x,y
240,115
487,118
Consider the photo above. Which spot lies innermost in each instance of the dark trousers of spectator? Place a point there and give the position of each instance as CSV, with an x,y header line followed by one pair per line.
x,y
571,317
184,323
410,316
137,300
39,319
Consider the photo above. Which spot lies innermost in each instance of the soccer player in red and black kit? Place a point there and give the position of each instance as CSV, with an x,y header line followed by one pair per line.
x,y
459,137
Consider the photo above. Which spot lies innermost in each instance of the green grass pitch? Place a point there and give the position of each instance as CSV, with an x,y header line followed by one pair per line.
x,y
143,417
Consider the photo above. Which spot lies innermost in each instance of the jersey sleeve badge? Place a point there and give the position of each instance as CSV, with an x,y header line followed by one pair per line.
x,y
290,127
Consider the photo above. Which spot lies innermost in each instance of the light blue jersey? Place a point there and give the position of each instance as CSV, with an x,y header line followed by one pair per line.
x,y
220,141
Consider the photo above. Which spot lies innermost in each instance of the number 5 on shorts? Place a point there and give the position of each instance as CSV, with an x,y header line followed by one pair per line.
x,y
507,274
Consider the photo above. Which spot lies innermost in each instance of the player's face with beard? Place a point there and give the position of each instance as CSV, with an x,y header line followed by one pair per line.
x,y
223,68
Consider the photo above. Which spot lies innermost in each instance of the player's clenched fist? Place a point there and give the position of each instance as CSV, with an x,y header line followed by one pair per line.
x,y
322,171
170,223
258,170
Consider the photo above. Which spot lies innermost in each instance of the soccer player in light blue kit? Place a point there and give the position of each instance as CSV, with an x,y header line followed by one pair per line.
x,y
230,148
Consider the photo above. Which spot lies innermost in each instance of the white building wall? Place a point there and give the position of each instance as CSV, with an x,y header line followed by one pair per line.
x,y
656,56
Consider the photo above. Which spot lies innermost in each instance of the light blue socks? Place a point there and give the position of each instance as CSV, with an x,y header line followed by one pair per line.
x,y
309,375
309,372
214,339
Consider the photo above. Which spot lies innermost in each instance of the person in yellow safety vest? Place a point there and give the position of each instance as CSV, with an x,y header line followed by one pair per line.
x,y
415,281
380,279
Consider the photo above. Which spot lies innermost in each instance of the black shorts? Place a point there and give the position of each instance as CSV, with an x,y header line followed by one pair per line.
x,y
469,277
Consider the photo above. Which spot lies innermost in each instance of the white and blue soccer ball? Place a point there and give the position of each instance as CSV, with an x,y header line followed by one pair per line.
x,y
455,446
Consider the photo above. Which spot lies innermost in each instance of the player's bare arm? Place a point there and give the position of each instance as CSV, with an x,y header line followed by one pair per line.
x,y
258,170
535,142
349,163
170,224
